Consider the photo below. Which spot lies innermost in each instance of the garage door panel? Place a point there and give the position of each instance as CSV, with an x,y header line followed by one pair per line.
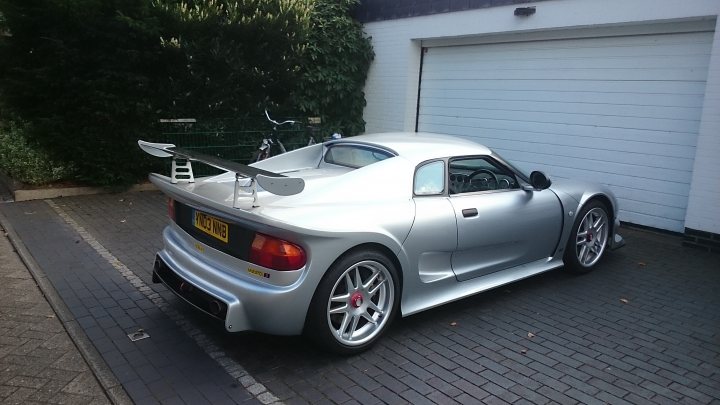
x,y
610,154
552,161
658,143
620,150
591,170
486,108
555,157
654,221
575,57
632,193
608,151
623,110
613,180
564,86
669,74
563,156
462,108
619,104
670,139
611,121
682,43
671,213
597,97
620,46
627,62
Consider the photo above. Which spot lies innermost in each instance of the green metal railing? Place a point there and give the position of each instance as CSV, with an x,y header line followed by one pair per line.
x,y
232,139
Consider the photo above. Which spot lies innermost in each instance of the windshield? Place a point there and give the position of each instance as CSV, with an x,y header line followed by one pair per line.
x,y
514,168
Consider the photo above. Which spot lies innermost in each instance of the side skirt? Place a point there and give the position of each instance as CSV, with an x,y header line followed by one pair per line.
x,y
435,294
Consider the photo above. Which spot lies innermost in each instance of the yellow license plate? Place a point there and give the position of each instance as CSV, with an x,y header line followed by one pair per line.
x,y
211,226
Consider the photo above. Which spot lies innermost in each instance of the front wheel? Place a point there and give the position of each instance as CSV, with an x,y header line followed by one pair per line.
x,y
354,303
588,238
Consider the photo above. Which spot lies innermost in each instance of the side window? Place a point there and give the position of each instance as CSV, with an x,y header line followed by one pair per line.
x,y
354,156
473,174
430,178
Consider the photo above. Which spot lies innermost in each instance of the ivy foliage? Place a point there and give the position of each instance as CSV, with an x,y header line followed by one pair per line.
x,y
80,72
27,162
338,56
90,77
230,58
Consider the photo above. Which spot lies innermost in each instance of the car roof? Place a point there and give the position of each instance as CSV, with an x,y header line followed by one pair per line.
x,y
420,146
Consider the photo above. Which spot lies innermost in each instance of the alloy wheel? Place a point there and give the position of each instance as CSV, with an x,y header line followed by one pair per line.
x,y
591,238
360,303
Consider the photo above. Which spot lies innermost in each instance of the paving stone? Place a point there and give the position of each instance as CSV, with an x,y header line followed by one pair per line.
x,y
466,399
414,397
362,395
470,389
440,398
416,384
500,392
529,395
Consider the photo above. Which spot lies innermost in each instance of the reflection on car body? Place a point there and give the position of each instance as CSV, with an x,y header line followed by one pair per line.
x,y
334,240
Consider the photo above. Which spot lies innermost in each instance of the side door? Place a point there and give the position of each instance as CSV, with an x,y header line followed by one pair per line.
x,y
499,224
433,237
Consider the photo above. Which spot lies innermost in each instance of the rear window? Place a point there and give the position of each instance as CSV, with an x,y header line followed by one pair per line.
x,y
354,155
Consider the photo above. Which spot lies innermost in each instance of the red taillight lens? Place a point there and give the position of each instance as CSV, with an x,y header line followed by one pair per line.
x,y
276,254
171,208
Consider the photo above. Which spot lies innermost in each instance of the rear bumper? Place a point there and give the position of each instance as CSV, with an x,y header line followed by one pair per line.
x,y
201,300
226,290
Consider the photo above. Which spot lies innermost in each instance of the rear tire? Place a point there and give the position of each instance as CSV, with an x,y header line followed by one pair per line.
x,y
588,238
354,303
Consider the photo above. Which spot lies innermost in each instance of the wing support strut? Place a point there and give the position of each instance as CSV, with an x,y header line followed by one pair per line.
x,y
274,183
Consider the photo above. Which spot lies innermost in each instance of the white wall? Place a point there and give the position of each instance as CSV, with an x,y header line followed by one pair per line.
x,y
392,87
703,212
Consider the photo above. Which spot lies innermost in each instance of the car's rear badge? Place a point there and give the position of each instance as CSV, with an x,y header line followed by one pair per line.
x,y
258,273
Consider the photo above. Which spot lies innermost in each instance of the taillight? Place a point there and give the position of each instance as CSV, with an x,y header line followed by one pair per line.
x,y
171,208
276,254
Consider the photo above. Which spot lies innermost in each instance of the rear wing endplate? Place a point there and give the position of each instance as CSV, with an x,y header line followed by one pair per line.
x,y
274,183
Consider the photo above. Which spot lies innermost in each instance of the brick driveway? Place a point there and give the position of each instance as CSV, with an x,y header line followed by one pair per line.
x,y
644,328
38,360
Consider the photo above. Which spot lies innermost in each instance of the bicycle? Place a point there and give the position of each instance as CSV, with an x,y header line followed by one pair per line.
x,y
266,146
265,150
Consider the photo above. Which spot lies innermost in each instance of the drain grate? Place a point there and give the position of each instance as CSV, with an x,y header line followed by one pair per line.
x,y
138,335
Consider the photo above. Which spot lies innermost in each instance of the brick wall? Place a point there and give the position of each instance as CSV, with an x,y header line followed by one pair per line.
x,y
703,240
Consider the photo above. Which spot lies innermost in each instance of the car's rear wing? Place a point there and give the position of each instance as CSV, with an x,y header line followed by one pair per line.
x,y
182,170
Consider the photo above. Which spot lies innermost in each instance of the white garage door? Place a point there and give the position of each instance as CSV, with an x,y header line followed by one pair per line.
x,y
624,111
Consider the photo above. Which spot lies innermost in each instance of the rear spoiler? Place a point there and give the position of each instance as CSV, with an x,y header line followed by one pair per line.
x,y
274,183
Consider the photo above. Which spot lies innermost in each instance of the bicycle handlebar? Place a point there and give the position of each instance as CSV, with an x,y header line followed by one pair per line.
x,y
278,123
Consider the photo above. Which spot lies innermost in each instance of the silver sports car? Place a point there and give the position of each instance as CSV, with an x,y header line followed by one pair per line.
x,y
334,240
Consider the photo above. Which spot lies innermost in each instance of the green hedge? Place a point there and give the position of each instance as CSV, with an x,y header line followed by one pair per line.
x,y
338,57
93,76
25,161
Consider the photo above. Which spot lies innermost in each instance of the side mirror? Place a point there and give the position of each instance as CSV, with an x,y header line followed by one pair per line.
x,y
539,180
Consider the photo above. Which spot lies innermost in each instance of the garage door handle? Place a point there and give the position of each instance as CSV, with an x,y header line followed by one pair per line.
x,y
469,212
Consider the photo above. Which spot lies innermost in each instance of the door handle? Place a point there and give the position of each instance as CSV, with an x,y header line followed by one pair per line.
x,y
469,212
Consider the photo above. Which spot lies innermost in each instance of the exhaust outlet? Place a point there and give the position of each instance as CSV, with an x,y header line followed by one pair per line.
x,y
215,307
204,301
